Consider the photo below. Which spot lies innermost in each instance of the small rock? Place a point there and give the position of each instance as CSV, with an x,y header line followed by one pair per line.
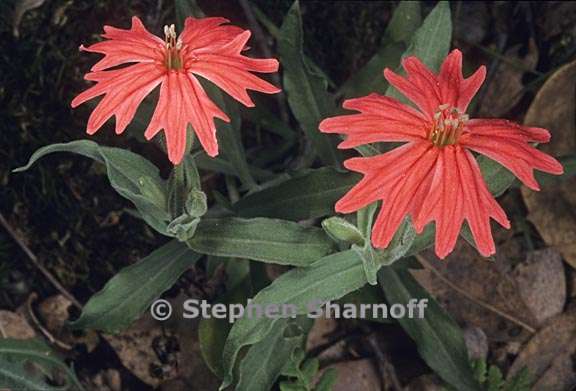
x,y
136,349
476,342
542,283
356,375
15,325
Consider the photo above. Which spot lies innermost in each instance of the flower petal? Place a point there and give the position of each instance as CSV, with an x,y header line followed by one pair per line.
x,y
378,175
458,193
508,144
399,199
125,46
455,90
423,99
207,34
443,203
479,204
229,70
124,90
381,119
183,101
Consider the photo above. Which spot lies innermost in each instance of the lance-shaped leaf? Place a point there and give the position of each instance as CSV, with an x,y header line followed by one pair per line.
x,y
329,278
130,292
265,360
438,338
404,22
16,374
132,176
261,239
306,89
431,42
307,195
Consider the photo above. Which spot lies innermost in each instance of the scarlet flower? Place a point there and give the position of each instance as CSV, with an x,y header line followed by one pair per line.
x,y
207,48
434,175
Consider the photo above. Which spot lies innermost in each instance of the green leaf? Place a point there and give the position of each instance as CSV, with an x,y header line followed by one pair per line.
x,y
373,259
265,360
230,138
330,278
307,195
431,42
130,292
212,332
368,294
519,382
185,8
187,203
261,239
132,176
405,20
14,376
265,118
328,380
219,165
306,89
275,32
15,354
183,179
438,338
498,178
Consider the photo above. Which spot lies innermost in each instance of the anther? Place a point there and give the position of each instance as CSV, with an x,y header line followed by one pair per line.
x,y
448,125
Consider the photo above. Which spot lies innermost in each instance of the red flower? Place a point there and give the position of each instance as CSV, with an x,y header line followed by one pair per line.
x,y
434,175
206,48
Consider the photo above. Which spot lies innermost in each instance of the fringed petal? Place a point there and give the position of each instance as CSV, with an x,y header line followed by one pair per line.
x,y
381,119
123,90
508,144
207,34
229,70
127,46
183,101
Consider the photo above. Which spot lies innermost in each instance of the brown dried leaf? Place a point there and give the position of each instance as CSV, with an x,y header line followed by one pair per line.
x,y
54,315
488,282
542,283
505,88
548,356
319,336
15,325
552,210
356,375
136,349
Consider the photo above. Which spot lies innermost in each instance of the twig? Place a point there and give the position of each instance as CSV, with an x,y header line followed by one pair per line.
x,y
37,263
2,331
387,370
333,340
475,300
40,327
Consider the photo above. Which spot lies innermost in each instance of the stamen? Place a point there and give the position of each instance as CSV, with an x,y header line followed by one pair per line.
x,y
448,125
173,48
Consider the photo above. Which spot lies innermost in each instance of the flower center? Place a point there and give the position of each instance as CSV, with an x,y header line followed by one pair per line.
x,y
448,125
173,58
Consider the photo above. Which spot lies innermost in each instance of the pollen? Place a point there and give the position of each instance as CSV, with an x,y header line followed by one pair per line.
x,y
447,126
173,58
